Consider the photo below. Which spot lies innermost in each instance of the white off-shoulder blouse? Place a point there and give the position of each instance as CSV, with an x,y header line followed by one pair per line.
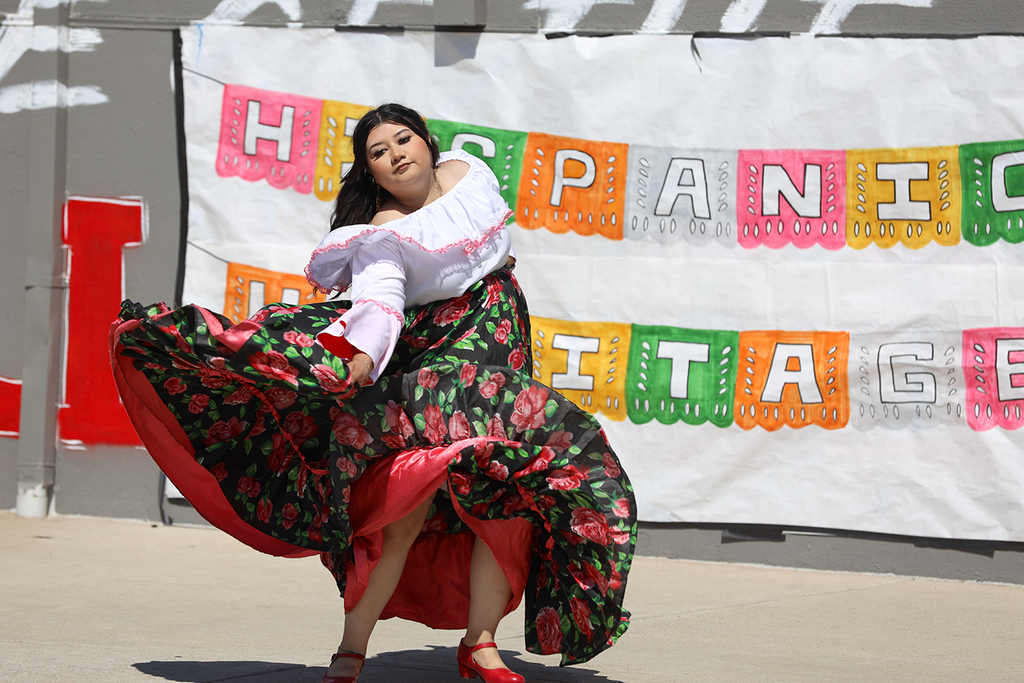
x,y
434,253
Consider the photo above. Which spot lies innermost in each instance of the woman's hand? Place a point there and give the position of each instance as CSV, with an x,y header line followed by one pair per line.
x,y
359,368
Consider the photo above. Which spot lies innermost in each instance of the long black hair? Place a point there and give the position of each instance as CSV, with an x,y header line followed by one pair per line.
x,y
360,196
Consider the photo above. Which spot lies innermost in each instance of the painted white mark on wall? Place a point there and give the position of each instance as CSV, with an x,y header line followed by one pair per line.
x,y
18,36
742,15
564,15
362,11
834,12
664,16
47,95
235,11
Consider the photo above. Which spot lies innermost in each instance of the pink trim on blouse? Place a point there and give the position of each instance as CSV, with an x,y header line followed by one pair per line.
x,y
469,246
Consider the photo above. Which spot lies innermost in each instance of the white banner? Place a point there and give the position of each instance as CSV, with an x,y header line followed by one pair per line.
x,y
784,273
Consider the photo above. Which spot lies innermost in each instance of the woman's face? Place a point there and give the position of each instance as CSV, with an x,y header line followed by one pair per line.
x,y
397,157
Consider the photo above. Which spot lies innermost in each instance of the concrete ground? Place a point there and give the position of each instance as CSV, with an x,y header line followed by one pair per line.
x,y
94,600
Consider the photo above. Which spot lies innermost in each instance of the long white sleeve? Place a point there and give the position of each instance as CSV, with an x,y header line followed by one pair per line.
x,y
375,320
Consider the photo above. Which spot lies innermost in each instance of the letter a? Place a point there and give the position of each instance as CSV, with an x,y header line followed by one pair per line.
x,y
779,376
685,178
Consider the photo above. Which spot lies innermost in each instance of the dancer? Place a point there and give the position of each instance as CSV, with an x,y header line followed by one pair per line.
x,y
402,437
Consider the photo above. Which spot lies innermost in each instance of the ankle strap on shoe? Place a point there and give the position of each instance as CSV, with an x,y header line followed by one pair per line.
x,y
482,646
350,655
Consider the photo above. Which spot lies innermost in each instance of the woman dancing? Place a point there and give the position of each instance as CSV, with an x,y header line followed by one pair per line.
x,y
402,436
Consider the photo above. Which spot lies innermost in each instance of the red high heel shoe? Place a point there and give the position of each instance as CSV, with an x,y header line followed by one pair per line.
x,y
344,679
470,669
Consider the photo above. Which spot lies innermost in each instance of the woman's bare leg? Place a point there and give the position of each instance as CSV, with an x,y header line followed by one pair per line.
x,y
489,593
359,622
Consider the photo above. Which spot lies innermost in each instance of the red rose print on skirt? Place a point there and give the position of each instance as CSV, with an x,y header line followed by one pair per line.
x,y
427,378
263,510
559,441
493,294
620,536
198,403
539,463
249,487
238,396
347,467
281,398
281,454
496,428
289,515
415,342
174,386
516,359
298,338
549,631
497,471
219,471
328,378
489,387
610,467
215,381
568,478
467,374
350,432
452,311
435,430
223,431
398,421
482,452
614,579
591,525
458,426
588,576
502,331
462,484
528,410
581,615
274,365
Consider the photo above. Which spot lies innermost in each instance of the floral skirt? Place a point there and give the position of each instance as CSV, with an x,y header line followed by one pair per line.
x,y
263,431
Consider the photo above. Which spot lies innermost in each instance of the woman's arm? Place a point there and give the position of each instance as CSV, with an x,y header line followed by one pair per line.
x,y
366,334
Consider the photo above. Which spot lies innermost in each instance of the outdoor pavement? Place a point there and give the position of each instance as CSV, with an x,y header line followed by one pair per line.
x,y
85,599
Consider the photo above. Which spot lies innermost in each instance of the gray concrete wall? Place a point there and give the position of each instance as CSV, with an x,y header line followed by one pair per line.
x,y
14,158
898,17
1003,563
126,146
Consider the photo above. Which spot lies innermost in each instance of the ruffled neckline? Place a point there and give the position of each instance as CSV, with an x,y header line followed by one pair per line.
x,y
466,217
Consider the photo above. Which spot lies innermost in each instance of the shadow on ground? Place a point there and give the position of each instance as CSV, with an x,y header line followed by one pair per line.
x,y
433,665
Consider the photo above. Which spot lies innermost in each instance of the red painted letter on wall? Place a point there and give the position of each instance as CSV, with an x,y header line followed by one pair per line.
x,y
10,406
95,230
